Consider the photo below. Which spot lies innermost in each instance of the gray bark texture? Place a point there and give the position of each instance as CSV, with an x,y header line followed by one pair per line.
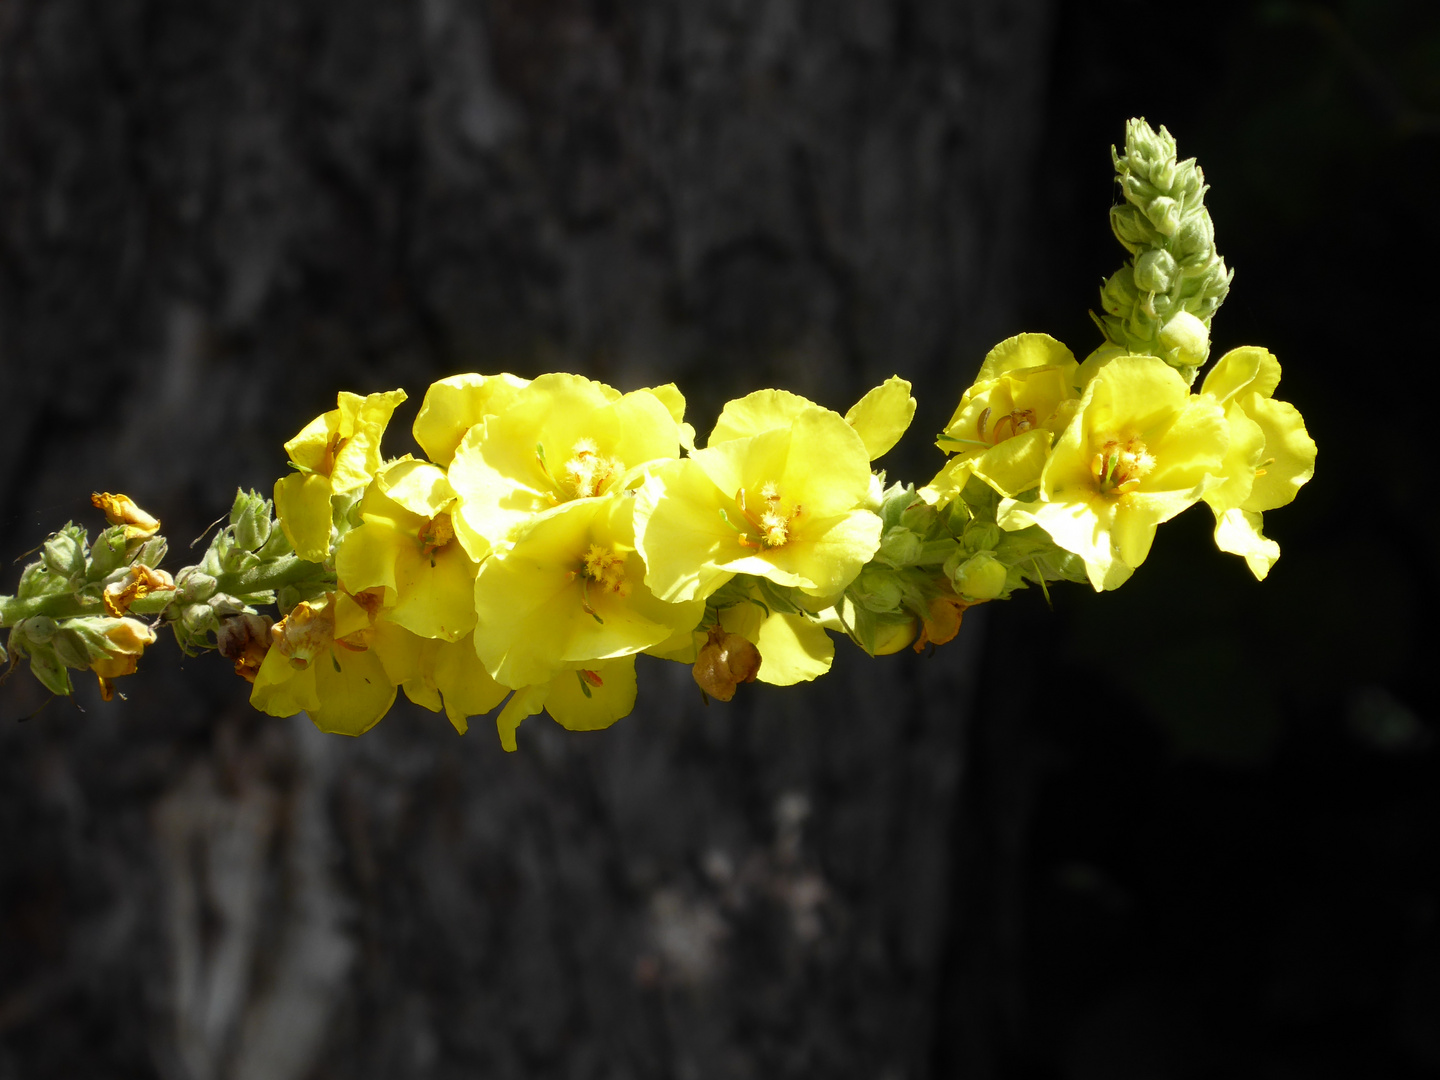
x,y
213,216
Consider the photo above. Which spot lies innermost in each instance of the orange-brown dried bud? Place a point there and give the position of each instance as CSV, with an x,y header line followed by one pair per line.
x,y
141,581
245,639
725,661
121,510
943,621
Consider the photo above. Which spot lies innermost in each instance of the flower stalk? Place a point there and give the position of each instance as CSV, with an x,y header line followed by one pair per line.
x,y
557,528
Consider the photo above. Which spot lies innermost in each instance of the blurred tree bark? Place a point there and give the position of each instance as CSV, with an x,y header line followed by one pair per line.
x,y
215,215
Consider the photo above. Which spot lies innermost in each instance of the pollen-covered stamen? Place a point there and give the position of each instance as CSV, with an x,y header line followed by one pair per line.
x,y
772,520
1120,466
588,472
605,568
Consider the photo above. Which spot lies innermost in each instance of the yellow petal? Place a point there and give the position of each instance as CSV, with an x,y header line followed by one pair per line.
x,y
527,701
883,415
362,425
419,487
312,448
462,680
1237,478
1013,465
1289,454
677,512
1241,371
764,410
593,698
827,554
302,504
282,690
365,557
434,593
398,650
353,690
670,396
453,406
1238,532
1024,351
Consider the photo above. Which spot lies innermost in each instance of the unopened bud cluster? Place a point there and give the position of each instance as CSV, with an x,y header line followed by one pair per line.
x,y
97,606
1162,301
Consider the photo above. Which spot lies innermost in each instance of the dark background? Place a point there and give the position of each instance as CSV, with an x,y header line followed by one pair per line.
x,y
1187,829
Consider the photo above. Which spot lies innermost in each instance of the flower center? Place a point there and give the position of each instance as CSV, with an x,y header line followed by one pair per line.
x,y
587,471
770,518
1120,466
604,569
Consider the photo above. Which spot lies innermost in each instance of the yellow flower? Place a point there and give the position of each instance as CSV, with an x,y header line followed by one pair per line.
x,y
586,698
329,660
335,454
1271,454
1139,450
569,592
1005,423
561,438
406,546
787,504
124,641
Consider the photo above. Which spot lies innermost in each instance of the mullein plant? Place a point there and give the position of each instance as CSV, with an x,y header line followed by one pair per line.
x,y
558,528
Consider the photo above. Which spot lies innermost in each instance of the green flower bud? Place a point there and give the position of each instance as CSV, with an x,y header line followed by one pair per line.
x,y
108,554
222,604
900,547
958,515
980,577
199,619
980,536
65,551
35,581
71,648
1155,270
878,590
38,629
152,552
1164,213
1186,340
46,667
194,585
251,520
